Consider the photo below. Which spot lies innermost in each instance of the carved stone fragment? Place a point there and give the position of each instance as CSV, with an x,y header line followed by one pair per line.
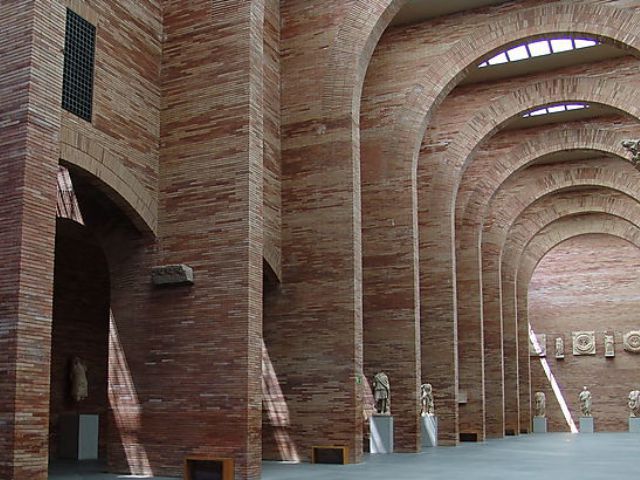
x,y
172,275
634,403
631,341
633,147
584,343
559,348
609,346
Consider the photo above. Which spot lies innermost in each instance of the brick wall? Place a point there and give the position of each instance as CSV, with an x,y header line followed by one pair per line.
x,y
120,146
31,37
587,283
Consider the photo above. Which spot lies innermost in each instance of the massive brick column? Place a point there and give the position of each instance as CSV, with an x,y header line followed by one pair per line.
x,y
31,41
185,362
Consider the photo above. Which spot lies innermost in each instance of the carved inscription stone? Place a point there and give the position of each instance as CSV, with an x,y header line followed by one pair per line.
x,y
584,343
172,275
539,350
609,348
631,341
559,348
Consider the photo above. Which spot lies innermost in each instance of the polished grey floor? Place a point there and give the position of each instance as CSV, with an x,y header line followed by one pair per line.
x,y
539,457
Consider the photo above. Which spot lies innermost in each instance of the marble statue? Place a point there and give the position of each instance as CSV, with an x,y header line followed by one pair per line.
x,y
585,402
541,404
382,393
559,347
609,349
79,383
634,403
633,147
426,399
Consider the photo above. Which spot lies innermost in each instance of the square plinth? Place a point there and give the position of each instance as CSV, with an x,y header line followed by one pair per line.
x,y
429,426
381,434
586,425
634,424
539,424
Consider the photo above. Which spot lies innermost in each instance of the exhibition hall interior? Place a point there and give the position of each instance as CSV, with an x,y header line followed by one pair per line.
x,y
320,239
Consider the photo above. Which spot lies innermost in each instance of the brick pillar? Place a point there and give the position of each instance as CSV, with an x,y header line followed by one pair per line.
x,y
511,352
31,41
391,297
493,335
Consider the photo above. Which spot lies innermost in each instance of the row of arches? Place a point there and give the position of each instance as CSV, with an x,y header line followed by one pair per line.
x,y
413,218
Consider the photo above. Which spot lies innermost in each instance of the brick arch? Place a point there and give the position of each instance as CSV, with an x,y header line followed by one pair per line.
x,y
609,24
567,228
472,204
470,213
508,206
403,235
540,214
437,276
351,51
545,240
115,181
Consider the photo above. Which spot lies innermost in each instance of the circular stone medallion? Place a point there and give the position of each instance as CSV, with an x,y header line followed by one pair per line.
x,y
632,341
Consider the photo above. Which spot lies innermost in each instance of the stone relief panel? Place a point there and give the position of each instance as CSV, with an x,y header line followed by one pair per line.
x,y
609,346
631,341
541,339
559,348
584,343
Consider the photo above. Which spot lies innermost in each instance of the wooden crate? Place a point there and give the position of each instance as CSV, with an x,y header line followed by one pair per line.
x,y
333,454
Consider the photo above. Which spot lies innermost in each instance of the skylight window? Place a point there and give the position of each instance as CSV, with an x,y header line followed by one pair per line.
x,y
539,48
557,108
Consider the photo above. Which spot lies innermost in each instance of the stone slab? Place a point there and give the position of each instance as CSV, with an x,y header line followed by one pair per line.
x,y
539,424
381,434
429,426
586,425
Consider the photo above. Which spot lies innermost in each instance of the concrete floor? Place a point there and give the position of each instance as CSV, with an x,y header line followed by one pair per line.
x,y
539,457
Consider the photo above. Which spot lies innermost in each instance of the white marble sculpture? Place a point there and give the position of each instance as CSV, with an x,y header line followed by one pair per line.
x,y
633,147
426,399
541,404
609,348
634,403
631,341
78,377
559,347
585,402
382,393
584,343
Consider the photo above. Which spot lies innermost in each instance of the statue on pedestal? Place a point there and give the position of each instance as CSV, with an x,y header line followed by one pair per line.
x,y
79,383
634,403
541,404
426,399
585,402
382,393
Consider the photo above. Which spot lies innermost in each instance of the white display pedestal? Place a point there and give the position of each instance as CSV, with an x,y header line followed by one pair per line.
x,y
539,424
634,424
586,424
381,434
79,437
429,426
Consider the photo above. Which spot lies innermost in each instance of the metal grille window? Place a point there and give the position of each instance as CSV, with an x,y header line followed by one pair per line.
x,y
79,53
